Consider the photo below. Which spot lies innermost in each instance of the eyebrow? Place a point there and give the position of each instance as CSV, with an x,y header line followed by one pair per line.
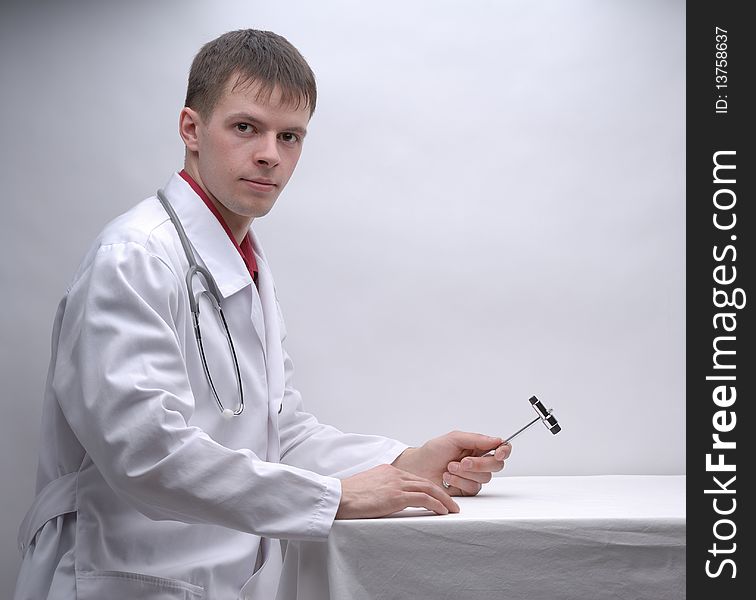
x,y
247,117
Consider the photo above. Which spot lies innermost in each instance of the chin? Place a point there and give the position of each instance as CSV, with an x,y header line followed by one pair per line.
x,y
251,208
260,210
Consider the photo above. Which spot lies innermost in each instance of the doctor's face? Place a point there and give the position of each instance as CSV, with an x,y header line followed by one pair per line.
x,y
245,152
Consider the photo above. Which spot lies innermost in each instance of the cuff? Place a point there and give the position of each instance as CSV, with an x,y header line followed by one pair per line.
x,y
325,511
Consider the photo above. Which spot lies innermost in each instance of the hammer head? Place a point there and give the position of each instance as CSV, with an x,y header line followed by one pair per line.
x,y
546,417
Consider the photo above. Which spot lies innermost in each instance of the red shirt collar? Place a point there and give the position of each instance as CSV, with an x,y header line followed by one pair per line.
x,y
245,248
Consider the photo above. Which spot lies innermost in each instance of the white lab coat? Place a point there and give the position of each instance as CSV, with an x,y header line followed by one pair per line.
x,y
144,489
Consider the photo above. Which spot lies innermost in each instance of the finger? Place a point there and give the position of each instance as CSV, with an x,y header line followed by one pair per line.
x,y
422,500
482,477
466,486
503,451
475,441
478,464
481,464
428,487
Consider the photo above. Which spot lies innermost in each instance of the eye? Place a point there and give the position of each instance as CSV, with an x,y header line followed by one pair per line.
x,y
289,138
244,127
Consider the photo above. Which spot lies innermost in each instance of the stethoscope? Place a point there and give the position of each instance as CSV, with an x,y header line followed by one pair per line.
x,y
213,293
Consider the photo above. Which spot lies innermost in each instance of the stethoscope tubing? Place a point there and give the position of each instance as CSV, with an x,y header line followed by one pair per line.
x,y
213,293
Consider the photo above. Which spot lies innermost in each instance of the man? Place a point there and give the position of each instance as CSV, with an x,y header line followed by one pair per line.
x,y
171,465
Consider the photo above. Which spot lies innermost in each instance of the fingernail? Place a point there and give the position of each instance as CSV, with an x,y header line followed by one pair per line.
x,y
466,463
446,478
454,467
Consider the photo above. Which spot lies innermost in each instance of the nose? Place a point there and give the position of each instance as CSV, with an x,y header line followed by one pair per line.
x,y
266,151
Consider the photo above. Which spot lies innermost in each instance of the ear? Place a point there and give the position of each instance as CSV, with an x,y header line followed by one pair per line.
x,y
189,121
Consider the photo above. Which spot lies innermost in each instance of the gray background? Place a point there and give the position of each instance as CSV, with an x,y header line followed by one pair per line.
x,y
490,204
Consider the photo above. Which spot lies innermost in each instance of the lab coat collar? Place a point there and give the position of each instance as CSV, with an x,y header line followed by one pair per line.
x,y
209,240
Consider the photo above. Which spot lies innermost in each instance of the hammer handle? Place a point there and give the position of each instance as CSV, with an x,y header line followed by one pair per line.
x,y
519,431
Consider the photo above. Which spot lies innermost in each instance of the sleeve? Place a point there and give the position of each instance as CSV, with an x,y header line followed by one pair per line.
x,y
121,381
311,445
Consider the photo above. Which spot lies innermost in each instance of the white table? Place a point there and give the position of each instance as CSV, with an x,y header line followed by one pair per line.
x,y
529,538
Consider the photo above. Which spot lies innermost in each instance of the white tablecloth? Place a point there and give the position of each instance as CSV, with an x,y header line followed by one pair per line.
x,y
524,538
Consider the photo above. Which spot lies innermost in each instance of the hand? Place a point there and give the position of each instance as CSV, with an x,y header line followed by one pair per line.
x,y
457,458
384,490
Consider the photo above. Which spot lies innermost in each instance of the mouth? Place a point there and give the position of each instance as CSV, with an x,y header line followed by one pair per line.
x,y
260,184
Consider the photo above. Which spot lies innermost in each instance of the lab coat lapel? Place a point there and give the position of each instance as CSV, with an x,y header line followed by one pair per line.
x,y
212,246
208,238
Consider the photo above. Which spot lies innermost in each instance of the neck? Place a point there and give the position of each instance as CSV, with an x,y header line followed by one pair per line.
x,y
238,224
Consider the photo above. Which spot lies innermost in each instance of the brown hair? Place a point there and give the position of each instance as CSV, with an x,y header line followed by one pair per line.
x,y
252,56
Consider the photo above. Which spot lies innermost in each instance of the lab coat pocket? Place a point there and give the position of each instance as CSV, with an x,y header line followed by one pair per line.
x,y
96,585
264,582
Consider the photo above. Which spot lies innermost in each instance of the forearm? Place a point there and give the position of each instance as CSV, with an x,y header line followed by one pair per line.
x,y
308,444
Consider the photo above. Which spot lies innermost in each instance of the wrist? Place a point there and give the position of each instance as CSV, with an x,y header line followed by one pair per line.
x,y
405,459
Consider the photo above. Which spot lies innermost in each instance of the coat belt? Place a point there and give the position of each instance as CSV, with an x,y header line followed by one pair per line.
x,y
57,498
